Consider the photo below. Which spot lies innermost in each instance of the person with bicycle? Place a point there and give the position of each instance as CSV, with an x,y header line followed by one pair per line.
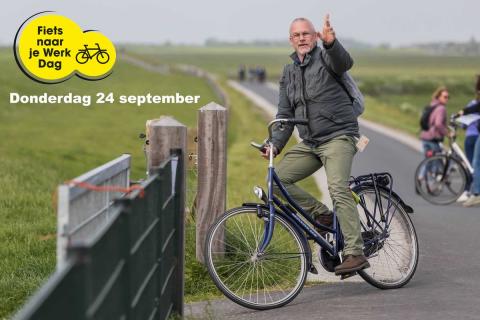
x,y
308,91
437,123
474,199
473,129
436,128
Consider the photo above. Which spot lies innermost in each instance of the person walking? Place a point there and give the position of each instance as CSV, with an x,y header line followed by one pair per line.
x,y
308,91
474,199
471,135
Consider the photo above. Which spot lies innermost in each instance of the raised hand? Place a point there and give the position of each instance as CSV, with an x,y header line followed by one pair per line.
x,y
327,35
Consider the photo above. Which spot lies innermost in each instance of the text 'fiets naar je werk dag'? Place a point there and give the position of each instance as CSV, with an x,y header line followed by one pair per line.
x,y
103,98
51,48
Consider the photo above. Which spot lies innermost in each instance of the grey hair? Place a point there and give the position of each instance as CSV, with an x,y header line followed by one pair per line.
x,y
301,19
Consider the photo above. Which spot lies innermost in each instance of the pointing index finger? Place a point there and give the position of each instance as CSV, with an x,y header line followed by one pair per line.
x,y
327,20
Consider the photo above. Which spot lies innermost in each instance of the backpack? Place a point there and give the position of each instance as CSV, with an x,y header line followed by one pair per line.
x,y
349,85
425,118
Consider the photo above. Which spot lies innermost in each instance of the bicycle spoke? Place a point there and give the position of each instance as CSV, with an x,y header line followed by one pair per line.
x,y
271,278
393,253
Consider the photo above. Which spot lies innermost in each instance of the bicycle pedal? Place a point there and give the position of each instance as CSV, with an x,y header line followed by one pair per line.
x,y
347,275
313,269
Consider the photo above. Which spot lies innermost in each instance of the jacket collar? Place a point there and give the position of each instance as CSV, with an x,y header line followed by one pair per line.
x,y
436,103
306,60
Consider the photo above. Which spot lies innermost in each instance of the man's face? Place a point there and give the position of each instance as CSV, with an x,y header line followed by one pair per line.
x,y
302,37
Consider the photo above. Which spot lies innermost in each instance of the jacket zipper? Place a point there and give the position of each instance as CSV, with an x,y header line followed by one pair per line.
x,y
305,96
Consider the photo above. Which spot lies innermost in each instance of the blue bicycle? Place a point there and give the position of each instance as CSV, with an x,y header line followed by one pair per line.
x,y
258,254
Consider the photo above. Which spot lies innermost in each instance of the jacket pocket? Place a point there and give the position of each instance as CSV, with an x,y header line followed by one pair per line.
x,y
338,114
300,114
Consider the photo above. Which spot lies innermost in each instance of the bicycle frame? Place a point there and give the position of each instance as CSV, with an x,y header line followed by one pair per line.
x,y
295,219
300,225
97,50
455,148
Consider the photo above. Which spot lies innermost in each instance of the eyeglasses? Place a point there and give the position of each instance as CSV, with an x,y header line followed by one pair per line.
x,y
296,35
445,96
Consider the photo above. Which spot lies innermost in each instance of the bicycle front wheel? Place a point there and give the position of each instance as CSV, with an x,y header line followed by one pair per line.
x,y
256,281
103,57
440,179
391,246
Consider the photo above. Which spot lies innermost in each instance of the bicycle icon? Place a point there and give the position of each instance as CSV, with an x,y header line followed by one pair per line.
x,y
84,55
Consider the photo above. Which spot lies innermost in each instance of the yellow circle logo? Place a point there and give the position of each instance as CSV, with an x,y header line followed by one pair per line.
x,y
51,48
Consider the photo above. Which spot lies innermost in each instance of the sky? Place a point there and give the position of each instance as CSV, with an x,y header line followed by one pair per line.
x,y
192,22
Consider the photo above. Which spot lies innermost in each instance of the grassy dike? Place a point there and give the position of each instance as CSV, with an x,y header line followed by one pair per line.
x,y
45,144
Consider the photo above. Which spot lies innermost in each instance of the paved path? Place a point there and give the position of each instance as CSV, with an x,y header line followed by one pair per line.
x,y
446,284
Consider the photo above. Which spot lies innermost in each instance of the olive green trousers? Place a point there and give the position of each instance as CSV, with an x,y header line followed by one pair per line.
x,y
336,156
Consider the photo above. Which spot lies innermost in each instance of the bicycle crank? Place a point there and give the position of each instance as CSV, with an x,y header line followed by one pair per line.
x,y
328,261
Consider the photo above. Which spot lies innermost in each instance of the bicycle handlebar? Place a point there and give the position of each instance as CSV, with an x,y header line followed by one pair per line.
x,y
258,146
282,122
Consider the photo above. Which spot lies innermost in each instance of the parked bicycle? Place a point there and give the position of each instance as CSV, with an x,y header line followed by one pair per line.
x,y
443,177
258,254
84,55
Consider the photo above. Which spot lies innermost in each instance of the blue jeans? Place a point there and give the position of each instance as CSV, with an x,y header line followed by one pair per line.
x,y
431,146
476,167
470,147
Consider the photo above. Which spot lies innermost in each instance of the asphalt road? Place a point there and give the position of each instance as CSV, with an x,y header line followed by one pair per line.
x,y
447,281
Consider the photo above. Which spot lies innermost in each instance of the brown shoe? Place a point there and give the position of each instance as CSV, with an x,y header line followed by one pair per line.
x,y
351,264
326,220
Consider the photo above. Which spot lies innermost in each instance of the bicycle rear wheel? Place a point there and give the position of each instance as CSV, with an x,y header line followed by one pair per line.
x,y
391,246
440,179
103,57
257,282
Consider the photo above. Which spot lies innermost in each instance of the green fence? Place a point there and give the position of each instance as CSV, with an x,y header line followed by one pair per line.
x,y
133,269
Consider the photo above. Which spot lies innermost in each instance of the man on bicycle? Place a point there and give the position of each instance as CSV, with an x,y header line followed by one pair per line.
x,y
307,90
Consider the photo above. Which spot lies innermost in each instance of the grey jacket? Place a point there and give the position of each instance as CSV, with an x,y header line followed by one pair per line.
x,y
308,91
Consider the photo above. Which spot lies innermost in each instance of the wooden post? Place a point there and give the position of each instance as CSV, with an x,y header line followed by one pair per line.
x,y
212,171
164,134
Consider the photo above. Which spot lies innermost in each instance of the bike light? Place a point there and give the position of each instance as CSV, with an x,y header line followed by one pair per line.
x,y
258,192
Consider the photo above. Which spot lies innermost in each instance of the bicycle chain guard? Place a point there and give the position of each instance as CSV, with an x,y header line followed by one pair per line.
x,y
328,261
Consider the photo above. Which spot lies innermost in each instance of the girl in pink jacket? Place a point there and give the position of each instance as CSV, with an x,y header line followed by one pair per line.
x,y
437,121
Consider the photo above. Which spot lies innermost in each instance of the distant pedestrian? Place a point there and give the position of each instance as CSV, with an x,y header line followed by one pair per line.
x,y
241,72
252,74
261,74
